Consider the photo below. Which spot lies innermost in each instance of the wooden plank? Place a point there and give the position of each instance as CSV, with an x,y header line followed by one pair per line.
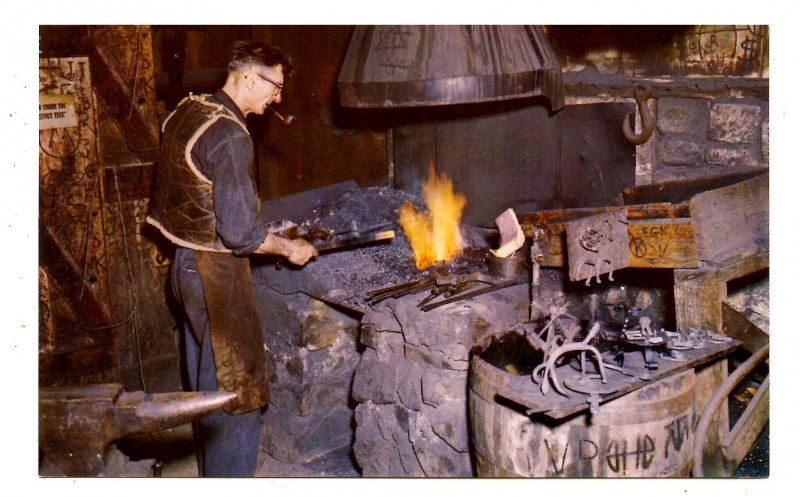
x,y
613,86
737,326
656,210
122,69
122,64
740,440
732,220
682,190
652,243
73,254
662,243
742,264
70,193
661,226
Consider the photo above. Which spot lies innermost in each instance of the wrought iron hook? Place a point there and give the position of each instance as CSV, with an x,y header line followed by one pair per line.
x,y
642,94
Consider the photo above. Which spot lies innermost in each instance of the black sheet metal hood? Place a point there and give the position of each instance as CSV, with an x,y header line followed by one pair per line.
x,y
414,66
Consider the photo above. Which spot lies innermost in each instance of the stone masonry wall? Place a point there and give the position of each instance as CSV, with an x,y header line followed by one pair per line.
x,y
699,138
411,383
313,354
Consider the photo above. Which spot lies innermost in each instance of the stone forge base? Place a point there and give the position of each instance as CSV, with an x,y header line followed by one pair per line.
x,y
411,382
313,352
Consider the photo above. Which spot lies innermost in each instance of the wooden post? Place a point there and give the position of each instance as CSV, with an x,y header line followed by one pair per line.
x,y
73,250
698,297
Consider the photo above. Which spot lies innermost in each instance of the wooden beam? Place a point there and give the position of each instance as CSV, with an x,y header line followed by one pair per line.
x,y
698,295
587,84
122,74
679,191
738,327
67,276
656,210
732,220
597,244
656,238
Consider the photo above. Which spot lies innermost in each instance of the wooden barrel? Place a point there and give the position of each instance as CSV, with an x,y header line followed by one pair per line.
x,y
646,433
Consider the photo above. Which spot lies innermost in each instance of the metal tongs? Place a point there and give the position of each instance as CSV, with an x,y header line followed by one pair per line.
x,y
327,241
450,287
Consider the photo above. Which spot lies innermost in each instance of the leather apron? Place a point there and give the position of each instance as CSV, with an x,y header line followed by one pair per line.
x,y
235,330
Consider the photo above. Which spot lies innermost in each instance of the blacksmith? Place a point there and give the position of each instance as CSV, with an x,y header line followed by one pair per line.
x,y
205,203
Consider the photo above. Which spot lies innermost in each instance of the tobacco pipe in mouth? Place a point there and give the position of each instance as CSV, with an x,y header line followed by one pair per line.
x,y
289,119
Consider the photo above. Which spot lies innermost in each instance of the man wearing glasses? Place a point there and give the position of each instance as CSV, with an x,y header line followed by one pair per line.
x,y
204,201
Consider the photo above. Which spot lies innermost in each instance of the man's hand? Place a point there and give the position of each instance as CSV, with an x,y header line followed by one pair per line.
x,y
300,252
296,251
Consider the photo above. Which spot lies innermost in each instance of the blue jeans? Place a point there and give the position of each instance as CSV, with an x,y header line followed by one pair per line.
x,y
227,445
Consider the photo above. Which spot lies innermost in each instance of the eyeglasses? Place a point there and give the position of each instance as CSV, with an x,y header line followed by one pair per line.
x,y
278,86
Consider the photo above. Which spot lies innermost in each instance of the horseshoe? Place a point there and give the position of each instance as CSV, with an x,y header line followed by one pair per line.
x,y
642,95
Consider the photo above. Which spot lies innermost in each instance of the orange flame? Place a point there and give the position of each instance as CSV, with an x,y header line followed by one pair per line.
x,y
435,236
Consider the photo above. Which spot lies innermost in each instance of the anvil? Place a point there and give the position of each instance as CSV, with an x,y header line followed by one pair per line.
x,y
78,422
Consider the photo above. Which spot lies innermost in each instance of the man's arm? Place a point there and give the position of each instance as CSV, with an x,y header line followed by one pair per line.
x,y
236,202
227,157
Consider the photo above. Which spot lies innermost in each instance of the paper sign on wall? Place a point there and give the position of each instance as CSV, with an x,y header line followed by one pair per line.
x,y
57,111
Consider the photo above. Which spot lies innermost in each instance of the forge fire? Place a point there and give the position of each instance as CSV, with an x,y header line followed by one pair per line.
x,y
434,235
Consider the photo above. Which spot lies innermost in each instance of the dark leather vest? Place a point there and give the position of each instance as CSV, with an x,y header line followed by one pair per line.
x,y
181,206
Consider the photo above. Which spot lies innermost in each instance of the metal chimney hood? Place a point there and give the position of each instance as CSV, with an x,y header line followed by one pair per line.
x,y
415,66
